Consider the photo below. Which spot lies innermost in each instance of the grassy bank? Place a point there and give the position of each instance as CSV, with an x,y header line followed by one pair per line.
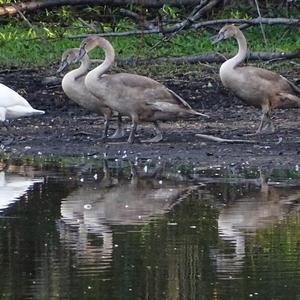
x,y
42,44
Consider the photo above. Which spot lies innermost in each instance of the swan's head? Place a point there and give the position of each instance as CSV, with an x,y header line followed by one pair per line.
x,y
90,43
226,32
68,57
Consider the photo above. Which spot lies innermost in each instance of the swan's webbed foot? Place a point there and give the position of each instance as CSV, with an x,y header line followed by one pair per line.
x,y
119,133
158,137
265,130
252,134
155,139
7,141
103,139
130,140
269,127
265,126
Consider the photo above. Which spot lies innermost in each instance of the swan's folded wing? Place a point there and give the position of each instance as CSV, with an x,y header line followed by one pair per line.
x,y
9,97
164,106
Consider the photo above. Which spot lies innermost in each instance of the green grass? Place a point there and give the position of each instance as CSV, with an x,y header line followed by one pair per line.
x,y
43,44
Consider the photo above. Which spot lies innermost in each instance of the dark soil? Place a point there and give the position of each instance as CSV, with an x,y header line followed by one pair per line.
x,y
67,129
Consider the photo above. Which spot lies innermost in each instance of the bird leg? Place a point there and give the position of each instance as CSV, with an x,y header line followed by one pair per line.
x,y
261,127
158,137
269,124
132,132
266,123
119,133
105,130
264,118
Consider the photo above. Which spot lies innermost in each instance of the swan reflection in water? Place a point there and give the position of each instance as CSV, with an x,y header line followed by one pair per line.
x,y
89,212
258,209
13,187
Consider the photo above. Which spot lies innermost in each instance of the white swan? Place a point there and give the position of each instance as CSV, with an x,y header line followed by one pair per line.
x,y
14,106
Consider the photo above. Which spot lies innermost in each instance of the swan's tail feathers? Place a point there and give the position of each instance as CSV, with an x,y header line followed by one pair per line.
x,y
197,113
174,108
294,87
289,100
38,112
18,111
188,109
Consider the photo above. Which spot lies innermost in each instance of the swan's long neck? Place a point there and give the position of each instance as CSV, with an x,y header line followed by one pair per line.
x,y
107,63
241,55
83,69
84,66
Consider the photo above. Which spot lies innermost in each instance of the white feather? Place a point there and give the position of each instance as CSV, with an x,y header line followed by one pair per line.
x,y
13,105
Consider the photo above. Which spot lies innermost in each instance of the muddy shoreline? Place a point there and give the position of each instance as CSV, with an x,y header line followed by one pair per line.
x,y
69,130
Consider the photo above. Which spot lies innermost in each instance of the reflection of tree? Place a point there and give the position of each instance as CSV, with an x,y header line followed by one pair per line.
x,y
178,262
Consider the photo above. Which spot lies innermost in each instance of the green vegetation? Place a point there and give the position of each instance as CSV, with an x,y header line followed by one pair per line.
x,y
43,43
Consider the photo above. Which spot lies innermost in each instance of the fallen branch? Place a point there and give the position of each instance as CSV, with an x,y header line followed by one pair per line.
x,y
197,12
174,28
260,23
209,58
220,140
90,26
137,18
256,21
10,9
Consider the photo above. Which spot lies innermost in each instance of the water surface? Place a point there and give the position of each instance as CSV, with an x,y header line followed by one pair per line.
x,y
142,231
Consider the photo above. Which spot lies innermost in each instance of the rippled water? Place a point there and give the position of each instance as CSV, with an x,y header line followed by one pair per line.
x,y
149,232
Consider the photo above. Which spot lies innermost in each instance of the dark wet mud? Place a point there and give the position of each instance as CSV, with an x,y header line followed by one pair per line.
x,y
67,129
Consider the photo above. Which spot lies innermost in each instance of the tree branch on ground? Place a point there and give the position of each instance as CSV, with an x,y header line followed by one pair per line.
x,y
90,26
10,9
197,12
209,58
137,18
256,21
261,26
221,140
